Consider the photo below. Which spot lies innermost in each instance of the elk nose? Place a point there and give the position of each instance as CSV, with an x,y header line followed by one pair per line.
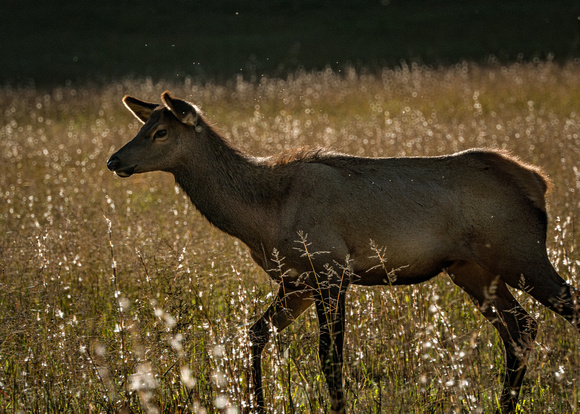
x,y
113,163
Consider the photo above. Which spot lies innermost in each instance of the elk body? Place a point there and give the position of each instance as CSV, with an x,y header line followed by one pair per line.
x,y
479,216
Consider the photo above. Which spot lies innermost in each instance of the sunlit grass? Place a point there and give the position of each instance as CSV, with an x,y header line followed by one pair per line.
x,y
115,295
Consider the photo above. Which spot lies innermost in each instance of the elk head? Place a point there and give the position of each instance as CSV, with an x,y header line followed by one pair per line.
x,y
161,142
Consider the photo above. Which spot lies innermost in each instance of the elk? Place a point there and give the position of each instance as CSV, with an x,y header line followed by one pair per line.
x,y
478,216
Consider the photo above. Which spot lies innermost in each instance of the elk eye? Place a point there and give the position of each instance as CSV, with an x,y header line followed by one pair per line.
x,y
162,133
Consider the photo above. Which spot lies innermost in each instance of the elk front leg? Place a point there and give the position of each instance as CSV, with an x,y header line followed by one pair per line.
x,y
288,305
330,308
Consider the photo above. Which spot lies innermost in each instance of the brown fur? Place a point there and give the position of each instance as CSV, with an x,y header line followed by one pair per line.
x,y
529,178
302,154
316,221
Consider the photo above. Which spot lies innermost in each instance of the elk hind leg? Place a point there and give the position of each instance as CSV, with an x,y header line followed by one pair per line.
x,y
515,326
549,288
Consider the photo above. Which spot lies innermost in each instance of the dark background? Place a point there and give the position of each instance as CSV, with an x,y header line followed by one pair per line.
x,y
49,43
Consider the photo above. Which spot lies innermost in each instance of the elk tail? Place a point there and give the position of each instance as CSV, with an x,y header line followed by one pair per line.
x,y
529,178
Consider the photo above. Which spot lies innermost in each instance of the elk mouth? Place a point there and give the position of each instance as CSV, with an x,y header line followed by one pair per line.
x,y
127,172
113,165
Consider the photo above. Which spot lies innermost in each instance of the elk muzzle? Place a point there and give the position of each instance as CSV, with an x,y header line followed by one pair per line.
x,y
115,164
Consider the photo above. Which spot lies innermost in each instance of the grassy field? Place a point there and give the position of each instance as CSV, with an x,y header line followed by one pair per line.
x,y
117,296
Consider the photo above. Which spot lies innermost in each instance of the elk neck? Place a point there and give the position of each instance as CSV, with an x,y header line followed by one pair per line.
x,y
234,191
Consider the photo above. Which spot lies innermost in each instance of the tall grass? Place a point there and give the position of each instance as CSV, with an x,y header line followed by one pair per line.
x,y
116,296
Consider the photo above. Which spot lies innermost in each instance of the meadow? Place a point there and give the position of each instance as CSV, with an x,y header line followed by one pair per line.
x,y
117,296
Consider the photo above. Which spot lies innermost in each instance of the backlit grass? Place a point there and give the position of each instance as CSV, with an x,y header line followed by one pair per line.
x,y
117,296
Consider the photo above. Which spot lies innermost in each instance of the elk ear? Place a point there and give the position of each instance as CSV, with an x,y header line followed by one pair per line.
x,y
142,110
186,112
